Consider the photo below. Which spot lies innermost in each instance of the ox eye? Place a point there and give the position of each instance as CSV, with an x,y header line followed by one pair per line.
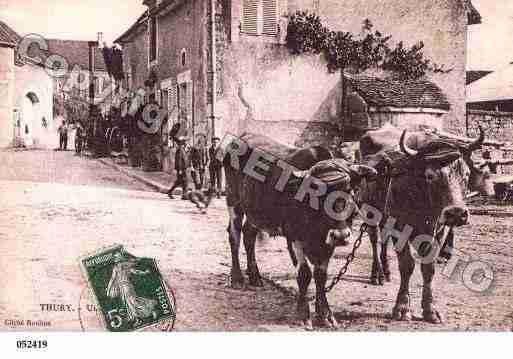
x,y
430,176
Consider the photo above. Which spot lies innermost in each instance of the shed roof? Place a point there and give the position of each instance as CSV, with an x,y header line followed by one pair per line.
x,y
473,76
8,37
400,94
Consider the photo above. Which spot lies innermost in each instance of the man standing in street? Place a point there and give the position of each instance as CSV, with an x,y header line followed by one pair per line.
x,y
63,136
215,168
199,163
181,165
79,135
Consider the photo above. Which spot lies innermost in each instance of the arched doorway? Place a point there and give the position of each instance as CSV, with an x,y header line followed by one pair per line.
x,y
29,110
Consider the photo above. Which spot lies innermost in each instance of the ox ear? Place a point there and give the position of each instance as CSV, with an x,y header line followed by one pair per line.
x,y
362,171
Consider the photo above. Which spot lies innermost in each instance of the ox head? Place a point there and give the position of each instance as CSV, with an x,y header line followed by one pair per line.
x,y
339,179
438,175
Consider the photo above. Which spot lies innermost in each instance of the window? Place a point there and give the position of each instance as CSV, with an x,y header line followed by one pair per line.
x,y
260,17
184,58
153,39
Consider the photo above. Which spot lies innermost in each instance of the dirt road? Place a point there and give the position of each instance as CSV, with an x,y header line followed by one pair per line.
x,y
57,207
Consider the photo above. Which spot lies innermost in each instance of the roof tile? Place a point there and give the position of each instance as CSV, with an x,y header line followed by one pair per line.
x,y
395,93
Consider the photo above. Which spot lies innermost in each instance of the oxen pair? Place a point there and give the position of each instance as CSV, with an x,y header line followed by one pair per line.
x,y
308,197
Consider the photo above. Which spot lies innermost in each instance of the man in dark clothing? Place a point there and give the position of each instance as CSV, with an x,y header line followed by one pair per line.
x,y
181,165
63,136
79,137
215,168
199,162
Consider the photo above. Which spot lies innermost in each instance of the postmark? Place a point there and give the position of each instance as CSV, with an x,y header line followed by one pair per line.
x,y
129,291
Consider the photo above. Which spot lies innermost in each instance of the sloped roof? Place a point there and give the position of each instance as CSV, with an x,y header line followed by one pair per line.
x,y
141,20
496,86
400,94
154,9
473,76
8,37
75,52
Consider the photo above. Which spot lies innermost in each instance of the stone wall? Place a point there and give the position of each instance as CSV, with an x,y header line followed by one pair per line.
x,y
497,125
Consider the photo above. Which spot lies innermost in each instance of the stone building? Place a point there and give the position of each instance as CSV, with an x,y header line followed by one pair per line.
x,y
263,85
164,53
26,97
259,85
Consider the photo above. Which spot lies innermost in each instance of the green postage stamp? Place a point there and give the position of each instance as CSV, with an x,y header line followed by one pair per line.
x,y
129,291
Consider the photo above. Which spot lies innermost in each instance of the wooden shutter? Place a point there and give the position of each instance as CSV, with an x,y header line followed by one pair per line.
x,y
171,97
269,17
250,16
189,107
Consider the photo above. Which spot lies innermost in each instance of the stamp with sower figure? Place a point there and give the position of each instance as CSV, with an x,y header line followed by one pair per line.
x,y
129,291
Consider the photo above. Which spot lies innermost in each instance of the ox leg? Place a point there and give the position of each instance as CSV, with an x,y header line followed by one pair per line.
x,y
429,313
401,310
304,276
292,254
384,259
322,308
250,234
234,234
377,274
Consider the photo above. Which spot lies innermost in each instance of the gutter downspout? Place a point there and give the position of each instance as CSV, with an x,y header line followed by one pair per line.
x,y
213,60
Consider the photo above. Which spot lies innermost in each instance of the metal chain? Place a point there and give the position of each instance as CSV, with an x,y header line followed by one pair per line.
x,y
349,259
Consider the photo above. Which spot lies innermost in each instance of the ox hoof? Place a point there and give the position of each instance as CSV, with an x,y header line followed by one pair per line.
x,y
327,321
254,277
236,281
256,281
377,280
307,325
432,316
401,312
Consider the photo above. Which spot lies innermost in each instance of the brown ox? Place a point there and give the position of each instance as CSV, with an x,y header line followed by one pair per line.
x,y
263,186
420,196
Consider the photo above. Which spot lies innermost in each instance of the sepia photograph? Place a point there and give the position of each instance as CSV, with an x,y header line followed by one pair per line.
x,y
329,166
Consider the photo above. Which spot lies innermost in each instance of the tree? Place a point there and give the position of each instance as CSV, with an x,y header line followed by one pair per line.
x,y
345,52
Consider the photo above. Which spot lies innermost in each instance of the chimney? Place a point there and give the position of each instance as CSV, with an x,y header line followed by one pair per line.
x,y
100,40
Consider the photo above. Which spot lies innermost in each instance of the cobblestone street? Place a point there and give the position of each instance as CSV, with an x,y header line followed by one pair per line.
x,y
57,207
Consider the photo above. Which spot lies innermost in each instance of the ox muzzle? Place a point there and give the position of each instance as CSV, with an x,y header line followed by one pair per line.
x,y
339,237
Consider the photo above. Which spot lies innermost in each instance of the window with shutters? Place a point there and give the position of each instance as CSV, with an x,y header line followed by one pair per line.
x,y
260,17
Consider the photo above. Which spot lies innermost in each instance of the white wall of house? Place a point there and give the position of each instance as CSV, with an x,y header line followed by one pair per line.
x,y
33,99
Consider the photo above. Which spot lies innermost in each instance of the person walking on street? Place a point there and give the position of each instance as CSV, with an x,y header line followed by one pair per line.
x,y
63,136
181,165
199,162
215,168
79,136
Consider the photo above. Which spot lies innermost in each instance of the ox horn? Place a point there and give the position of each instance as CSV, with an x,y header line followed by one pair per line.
x,y
300,174
364,171
404,147
479,142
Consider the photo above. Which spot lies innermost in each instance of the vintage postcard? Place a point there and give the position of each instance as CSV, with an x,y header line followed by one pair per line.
x,y
291,165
